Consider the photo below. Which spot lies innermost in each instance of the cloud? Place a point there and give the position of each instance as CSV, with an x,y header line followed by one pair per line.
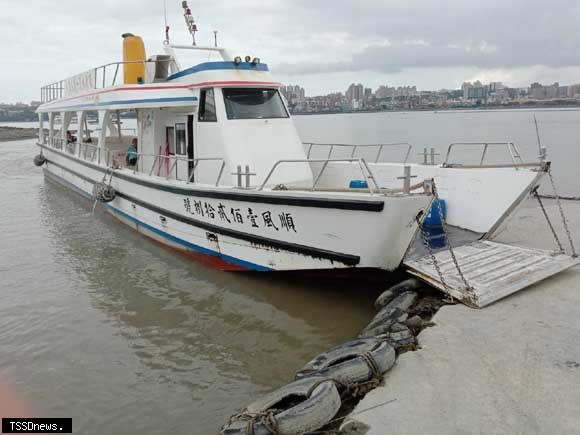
x,y
450,33
309,40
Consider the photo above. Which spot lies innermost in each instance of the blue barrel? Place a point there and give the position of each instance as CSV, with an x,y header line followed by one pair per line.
x,y
435,237
358,184
433,219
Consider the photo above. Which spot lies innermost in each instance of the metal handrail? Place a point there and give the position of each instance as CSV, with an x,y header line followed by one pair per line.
x,y
355,147
55,91
175,159
60,143
368,176
511,147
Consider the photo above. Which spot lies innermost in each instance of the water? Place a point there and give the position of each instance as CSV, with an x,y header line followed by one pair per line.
x,y
102,325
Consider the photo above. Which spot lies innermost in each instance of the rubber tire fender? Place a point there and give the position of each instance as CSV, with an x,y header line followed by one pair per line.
x,y
391,293
39,160
346,364
316,402
393,312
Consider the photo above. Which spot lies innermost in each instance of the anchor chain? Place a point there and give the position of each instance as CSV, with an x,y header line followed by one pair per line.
x,y
432,255
562,215
550,225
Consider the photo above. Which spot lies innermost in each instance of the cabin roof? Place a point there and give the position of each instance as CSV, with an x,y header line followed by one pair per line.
x,y
178,90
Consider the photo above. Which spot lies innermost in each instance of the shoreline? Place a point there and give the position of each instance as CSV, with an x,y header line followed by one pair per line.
x,y
8,134
566,108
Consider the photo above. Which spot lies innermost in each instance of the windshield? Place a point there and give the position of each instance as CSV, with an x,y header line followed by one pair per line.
x,y
253,103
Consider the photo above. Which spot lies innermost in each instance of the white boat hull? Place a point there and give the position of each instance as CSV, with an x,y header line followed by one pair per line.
x,y
233,229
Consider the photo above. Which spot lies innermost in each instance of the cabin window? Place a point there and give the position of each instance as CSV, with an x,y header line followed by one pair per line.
x,y
253,103
180,142
207,112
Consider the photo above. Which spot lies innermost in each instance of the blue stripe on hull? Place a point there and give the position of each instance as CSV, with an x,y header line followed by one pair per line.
x,y
169,237
216,66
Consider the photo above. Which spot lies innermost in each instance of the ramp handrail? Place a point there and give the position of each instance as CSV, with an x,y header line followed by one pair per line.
x,y
510,146
355,147
368,175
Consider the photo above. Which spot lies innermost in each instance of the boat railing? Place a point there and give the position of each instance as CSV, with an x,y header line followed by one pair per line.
x,y
56,142
103,76
170,163
83,150
89,152
354,148
366,172
510,147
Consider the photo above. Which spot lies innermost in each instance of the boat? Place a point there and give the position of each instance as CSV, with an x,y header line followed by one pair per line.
x,y
216,167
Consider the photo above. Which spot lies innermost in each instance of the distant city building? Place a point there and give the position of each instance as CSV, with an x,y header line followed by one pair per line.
x,y
388,92
357,97
474,91
355,93
540,92
294,94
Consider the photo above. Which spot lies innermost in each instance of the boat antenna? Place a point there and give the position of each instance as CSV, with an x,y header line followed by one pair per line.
x,y
189,20
542,150
166,42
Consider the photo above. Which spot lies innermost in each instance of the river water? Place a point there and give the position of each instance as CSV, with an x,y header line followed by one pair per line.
x,y
102,325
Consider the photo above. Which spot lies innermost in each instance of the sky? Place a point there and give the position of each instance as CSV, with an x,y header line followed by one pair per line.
x,y
323,45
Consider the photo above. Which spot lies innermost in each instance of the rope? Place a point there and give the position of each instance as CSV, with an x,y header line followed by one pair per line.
x,y
370,360
266,418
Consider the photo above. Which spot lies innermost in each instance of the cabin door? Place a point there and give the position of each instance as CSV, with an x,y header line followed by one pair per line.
x,y
181,166
190,147
166,163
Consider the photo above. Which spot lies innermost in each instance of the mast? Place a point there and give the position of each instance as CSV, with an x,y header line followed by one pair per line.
x,y
189,20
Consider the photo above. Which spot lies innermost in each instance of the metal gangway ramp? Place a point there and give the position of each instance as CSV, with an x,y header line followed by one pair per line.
x,y
493,270
482,272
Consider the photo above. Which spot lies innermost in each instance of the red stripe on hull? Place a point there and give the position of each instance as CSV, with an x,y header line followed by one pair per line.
x,y
209,260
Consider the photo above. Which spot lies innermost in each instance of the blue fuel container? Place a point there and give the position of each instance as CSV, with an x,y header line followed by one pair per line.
x,y
436,237
358,184
433,219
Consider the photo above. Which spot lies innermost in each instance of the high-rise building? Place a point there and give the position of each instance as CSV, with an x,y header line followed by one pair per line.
x,y
294,94
355,93
474,91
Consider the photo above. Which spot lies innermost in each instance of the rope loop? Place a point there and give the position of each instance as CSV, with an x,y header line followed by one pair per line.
x,y
266,418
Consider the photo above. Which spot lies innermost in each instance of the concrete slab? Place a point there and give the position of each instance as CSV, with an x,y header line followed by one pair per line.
x,y
511,368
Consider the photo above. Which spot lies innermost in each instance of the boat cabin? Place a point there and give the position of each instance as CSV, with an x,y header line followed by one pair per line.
x,y
217,123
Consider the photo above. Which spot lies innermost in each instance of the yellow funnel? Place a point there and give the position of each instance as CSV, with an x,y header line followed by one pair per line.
x,y
133,51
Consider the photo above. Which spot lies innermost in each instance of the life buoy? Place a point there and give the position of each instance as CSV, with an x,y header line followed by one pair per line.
x,y
354,362
315,402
